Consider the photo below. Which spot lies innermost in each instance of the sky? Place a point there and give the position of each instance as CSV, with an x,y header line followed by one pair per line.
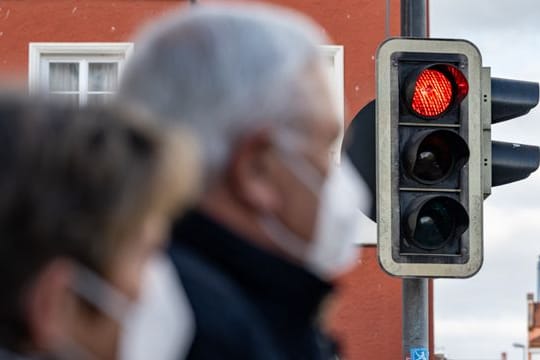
x,y
480,317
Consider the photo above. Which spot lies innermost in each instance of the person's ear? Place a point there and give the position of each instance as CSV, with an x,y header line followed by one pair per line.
x,y
251,171
49,304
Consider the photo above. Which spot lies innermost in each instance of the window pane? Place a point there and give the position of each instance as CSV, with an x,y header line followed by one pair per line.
x,y
63,76
102,76
71,99
99,99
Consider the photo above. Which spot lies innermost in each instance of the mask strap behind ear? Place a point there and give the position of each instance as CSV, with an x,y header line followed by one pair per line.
x,y
284,238
101,294
288,145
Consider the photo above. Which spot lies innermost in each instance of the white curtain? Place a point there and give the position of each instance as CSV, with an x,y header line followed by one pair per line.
x,y
102,77
63,77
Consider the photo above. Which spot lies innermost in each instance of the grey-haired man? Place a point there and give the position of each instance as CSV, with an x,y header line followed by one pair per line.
x,y
277,220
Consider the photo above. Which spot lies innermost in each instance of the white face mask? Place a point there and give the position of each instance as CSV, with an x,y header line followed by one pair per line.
x,y
342,195
158,326
161,325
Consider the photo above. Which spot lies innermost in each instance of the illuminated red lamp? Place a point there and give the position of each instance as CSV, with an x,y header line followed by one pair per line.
x,y
436,89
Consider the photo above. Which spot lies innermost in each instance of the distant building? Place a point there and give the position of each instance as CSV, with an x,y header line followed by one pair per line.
x,y
533,321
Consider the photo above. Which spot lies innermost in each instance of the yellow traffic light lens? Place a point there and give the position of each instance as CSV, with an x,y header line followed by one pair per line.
x,y
431,156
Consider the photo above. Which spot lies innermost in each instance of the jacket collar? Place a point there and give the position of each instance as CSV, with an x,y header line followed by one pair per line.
x,y
279,286
8,355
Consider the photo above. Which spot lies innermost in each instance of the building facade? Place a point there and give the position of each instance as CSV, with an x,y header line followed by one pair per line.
x,y
75,50
533,328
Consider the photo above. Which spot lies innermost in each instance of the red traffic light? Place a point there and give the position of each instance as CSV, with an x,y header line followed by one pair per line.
x,y
435,89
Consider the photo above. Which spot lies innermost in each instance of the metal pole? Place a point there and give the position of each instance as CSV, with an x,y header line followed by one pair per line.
x,y
415,291
413,18
415,319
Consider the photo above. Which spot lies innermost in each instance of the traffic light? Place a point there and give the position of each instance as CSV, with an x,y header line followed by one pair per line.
x,y
429,163
434,162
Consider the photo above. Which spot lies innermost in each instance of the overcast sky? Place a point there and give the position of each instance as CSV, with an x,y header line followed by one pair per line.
x,y
481,317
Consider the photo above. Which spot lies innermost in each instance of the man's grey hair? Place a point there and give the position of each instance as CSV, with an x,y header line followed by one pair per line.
x,y
226,70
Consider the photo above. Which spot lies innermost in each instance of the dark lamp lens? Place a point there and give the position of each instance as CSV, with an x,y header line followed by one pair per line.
x,y
434,159
434,225
431,222
431,156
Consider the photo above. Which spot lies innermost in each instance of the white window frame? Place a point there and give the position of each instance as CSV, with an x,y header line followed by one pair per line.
x,y
335,54
82,53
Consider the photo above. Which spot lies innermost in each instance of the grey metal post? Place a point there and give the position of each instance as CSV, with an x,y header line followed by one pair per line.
x,y
415,317
415,291
414,18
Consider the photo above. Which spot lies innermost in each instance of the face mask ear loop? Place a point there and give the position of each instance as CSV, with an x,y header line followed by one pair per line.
x,y
99,293
283,237
301,168
287,145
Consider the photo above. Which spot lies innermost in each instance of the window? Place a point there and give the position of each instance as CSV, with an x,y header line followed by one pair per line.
x,y
78,73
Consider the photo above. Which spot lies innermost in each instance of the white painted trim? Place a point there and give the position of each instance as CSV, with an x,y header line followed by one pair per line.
x,y
83,82
368,230
368,233
37,50
335,53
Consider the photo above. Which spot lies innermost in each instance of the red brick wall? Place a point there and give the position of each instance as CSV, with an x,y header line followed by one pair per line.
x,y
367,313
27,21
359,25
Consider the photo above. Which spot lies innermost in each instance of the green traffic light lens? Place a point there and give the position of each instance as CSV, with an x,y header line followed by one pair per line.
x,y
434,226
434,221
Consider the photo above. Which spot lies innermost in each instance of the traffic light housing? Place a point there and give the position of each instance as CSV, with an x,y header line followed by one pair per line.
x,y
434,94
429,163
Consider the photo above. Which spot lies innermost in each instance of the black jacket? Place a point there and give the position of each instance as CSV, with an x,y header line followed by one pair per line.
x,y
248,304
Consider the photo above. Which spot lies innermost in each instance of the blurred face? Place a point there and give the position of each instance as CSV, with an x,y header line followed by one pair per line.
x,y
260,182
310,147
95,331
298,205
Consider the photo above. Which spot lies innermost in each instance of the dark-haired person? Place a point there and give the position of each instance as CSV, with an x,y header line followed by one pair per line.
x,y
85,201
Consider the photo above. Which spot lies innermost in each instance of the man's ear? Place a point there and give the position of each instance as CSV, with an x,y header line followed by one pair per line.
x,y
251,171
49,304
